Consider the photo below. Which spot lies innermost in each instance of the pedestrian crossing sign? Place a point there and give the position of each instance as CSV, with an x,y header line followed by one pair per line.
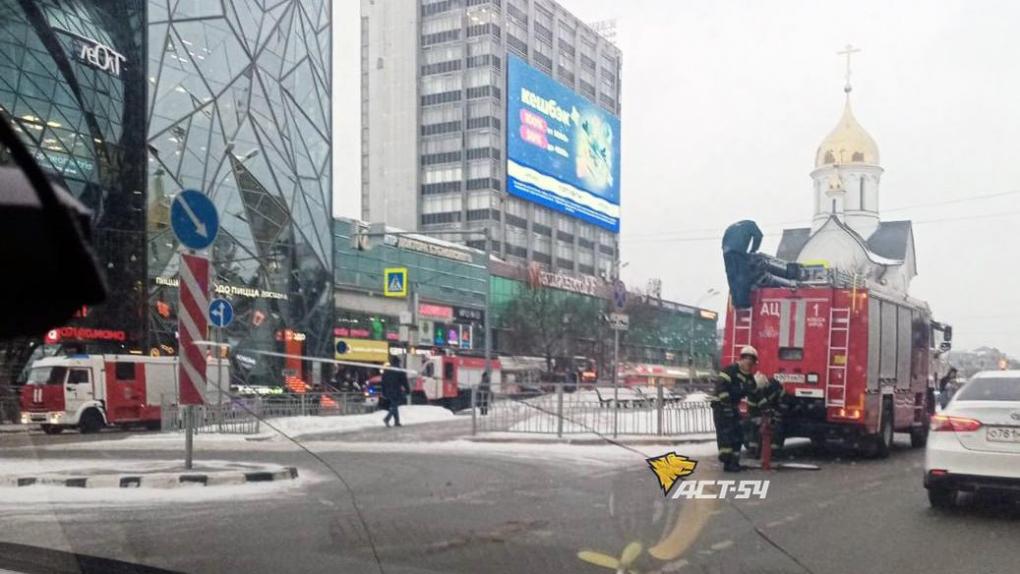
x,y
395,282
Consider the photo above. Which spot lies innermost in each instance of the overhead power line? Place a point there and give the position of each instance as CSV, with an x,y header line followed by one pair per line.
x,y
703,230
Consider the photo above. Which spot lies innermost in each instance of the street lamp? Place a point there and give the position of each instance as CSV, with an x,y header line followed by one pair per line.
x,y
690,356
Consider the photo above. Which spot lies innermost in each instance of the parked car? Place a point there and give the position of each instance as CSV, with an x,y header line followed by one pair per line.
x,y
974,443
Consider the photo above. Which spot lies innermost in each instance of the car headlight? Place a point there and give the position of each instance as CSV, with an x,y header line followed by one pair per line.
x,y
55,417
26,418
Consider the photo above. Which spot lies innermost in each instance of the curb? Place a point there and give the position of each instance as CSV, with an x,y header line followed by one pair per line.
x,y
589,441
155,480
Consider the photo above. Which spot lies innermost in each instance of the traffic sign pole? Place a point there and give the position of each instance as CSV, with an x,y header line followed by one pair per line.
x,y
195,223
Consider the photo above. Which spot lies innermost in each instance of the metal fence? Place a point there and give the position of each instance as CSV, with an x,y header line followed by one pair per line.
x,y
242,415
561,413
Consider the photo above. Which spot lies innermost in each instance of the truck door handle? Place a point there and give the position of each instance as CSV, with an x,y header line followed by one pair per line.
x,y
70,388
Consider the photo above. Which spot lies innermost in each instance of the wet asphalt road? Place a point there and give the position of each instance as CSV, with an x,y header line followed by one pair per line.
x,y
479,513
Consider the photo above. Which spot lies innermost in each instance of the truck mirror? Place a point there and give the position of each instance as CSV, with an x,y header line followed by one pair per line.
x,y
947,335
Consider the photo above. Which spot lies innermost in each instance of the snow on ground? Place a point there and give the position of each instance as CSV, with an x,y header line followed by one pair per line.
x,y
15,498
297,427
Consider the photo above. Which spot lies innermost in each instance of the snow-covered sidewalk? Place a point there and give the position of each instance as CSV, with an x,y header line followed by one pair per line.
x,y
298,427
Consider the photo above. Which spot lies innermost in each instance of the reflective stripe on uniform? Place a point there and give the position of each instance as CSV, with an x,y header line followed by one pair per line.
x,y
725,377
725,450
722,396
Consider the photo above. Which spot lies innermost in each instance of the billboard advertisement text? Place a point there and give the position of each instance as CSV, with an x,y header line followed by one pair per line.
x,y
563,151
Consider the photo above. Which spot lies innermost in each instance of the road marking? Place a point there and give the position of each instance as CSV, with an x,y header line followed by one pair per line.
x,y
721,545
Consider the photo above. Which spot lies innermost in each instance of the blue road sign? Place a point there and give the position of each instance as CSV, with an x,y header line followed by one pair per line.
x,y
619,294
221,312
194,219
396,282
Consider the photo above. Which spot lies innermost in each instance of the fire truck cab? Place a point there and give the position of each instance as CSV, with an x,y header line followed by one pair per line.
x,y
447,380
89,392
857,363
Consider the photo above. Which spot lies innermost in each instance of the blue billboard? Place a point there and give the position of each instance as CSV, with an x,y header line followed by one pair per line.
x,y
563,151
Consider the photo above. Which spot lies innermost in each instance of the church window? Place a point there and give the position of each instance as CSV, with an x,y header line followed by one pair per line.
x,y
829,158
858,156
862,193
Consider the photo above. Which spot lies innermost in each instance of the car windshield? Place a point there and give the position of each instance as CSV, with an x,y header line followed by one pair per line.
x,y
46,375
990,389
509,286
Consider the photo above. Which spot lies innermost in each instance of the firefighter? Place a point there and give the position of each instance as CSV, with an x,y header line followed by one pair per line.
x,y
739,241
765,400
733,385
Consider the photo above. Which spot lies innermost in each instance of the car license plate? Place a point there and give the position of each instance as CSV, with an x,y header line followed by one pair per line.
x,y
1003,434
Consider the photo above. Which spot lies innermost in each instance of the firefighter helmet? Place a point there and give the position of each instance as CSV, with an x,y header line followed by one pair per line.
x,y
748,350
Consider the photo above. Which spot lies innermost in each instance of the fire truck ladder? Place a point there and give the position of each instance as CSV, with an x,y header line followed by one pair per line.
x,y
741,330
839,345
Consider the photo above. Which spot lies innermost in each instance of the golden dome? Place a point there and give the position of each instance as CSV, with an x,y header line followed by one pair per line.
x,y
847,143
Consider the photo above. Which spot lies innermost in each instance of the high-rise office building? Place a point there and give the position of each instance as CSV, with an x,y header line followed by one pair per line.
x,y
437,136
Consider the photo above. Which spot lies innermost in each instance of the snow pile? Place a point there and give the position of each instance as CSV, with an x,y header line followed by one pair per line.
x,y
296,427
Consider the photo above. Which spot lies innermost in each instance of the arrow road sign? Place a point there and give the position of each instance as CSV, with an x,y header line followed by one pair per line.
x,y
221,312
194,219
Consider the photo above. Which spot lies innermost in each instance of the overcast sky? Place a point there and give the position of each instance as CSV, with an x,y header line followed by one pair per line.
x,y
724,104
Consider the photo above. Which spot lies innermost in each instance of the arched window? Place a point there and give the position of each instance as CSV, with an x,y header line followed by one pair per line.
x,y
858,156
862,194
829,158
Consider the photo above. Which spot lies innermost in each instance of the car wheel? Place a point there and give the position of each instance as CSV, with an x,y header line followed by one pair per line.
x,y
941,497
91,421
52,429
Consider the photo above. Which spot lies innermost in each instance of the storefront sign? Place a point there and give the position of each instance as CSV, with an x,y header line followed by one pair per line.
x,y
235,290
403,242
469,315
359,350
98,56
435,311
538,277
83,334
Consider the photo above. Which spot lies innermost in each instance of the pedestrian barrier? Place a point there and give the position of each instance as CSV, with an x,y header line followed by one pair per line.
x,y
241,415
566,413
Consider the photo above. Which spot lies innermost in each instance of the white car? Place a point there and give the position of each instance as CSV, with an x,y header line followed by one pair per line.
x,y
974,443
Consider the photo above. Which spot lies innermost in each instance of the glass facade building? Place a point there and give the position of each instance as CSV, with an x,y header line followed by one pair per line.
x,y
127,102
72,83
239,108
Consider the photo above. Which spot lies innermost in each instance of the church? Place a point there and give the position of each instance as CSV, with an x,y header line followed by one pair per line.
x,y
846,231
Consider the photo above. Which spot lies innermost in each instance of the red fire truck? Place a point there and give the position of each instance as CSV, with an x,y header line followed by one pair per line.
x,y
446,380
858,363
89,392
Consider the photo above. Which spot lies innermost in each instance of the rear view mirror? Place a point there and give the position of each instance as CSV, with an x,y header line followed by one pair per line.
x,y
947,335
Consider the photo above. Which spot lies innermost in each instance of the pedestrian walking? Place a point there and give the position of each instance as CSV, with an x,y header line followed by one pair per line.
x,y
735,382
395,389
484,394
947,387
